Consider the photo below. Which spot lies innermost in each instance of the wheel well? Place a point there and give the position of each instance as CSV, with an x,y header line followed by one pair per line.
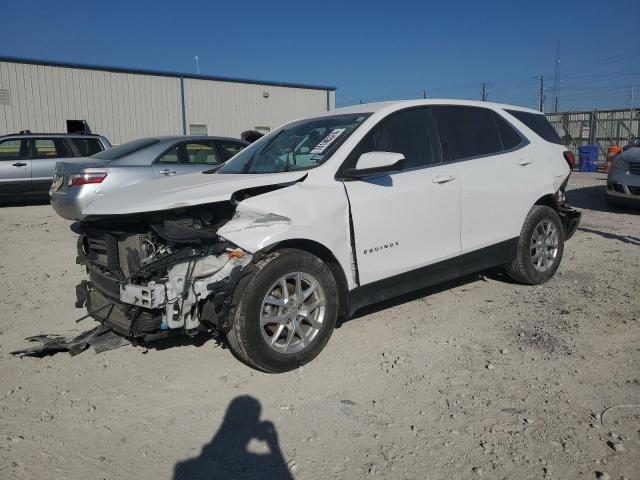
x,y
548,200
324,254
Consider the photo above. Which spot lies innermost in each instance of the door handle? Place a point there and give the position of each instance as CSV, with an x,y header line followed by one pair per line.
x,y
19,164
443,179
167,171
522,162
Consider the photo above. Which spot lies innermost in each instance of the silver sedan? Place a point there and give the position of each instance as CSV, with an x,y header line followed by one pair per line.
x,y
77,185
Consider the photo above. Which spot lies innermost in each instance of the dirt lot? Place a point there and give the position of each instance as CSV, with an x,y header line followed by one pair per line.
x,y
481,377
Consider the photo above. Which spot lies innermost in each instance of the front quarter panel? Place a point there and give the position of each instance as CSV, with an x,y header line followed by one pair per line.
x,y
302,211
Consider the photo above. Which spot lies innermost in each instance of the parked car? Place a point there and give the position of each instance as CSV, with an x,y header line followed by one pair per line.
x,y
27,159
324,216
623,181
76,185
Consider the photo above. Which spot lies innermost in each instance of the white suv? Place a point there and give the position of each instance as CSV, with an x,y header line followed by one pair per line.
x,y
323,216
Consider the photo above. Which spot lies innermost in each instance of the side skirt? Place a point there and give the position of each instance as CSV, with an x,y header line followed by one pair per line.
x,y
471,262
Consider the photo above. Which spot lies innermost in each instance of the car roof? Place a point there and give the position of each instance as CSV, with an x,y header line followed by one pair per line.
x,y
177,138
397,104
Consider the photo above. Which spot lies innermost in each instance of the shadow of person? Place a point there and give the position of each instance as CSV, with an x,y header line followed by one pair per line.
x,y
243,447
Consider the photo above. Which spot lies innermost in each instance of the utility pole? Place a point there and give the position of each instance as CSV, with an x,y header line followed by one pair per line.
x,y
484,91
541,94
556,78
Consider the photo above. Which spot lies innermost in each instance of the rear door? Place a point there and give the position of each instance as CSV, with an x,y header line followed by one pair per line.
x,y
45,153
497,181
187,157
410,219
15,167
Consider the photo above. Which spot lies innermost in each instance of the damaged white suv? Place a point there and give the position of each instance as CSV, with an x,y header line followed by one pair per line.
x,y
323,216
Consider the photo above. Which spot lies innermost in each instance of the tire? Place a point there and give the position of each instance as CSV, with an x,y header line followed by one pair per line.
x,y
527,267
261,299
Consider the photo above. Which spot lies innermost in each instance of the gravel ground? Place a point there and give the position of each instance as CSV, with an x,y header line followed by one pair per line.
x,y
479,377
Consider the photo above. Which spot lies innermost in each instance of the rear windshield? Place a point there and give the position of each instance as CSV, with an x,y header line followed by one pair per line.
x,y
539,124
87,146
125,149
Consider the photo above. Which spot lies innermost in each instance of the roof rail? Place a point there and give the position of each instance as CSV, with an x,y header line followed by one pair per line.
x,y
63,134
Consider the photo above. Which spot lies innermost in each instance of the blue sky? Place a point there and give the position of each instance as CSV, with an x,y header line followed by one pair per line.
x,y
373,50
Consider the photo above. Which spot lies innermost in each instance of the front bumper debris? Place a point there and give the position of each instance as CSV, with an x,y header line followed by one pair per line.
x,y
570,218
170,302
101,338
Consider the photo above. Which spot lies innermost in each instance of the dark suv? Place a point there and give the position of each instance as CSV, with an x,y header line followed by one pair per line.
x,y
27,159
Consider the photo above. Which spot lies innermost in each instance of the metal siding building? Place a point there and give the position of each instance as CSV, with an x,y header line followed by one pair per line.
x,y
125,104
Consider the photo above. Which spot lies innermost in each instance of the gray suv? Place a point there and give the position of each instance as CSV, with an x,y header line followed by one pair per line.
x,y
27,160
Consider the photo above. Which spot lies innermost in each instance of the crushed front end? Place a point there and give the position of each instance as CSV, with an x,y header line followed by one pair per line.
x,y
151,275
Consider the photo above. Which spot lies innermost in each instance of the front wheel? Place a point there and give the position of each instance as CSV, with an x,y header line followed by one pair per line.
x,y
285,313
540,247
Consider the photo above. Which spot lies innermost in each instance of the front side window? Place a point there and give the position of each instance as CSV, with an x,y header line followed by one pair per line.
x,y
50,148
298,146
412,133
467,132
11,149
539,124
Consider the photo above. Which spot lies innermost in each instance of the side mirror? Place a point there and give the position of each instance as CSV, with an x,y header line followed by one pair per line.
x,y
376,163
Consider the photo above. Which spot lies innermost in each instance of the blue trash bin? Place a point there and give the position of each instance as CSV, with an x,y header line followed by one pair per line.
x,y
588,158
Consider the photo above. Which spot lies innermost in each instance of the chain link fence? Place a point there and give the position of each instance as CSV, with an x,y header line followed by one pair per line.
x,y
598,127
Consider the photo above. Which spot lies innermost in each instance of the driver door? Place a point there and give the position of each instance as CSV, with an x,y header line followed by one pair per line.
x,y
410,219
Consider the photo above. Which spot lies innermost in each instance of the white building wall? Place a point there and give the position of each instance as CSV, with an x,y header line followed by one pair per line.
x,y
229,109
123,106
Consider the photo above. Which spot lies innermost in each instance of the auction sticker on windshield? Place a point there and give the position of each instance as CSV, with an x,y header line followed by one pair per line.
x,y
328,140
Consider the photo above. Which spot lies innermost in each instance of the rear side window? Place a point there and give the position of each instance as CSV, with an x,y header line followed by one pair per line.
x,y
125,149
539,124
229,149
87,146
467,132
12,149
412,133
191,153
50,148
201,154
510,138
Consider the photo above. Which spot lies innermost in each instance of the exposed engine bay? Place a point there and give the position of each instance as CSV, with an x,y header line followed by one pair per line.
x,y
162,272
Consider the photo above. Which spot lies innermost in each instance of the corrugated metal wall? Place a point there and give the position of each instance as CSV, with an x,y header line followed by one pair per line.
x,y
120,106
123,106
231,108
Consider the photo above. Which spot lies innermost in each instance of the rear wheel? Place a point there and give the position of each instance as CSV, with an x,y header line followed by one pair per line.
x,y
285,313
540,247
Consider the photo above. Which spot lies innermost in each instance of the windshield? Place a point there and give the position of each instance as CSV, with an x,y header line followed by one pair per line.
x,y
125,149
298,146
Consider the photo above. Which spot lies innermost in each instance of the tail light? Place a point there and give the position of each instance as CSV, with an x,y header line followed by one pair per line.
x,y
570,158
87,178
